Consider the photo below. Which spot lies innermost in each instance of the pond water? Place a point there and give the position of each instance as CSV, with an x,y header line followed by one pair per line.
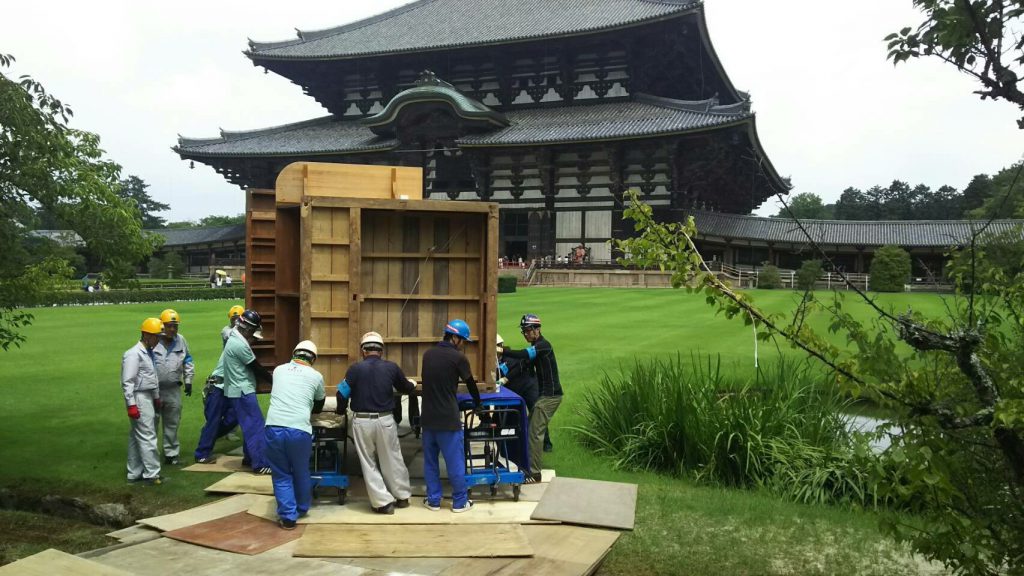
x,y
866,424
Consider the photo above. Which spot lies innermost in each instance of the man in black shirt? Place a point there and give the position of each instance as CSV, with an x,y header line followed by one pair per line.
x,y
541,356
443,367
371,386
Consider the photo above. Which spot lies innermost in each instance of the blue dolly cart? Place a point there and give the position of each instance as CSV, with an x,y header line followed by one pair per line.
x,y
503,431
327,462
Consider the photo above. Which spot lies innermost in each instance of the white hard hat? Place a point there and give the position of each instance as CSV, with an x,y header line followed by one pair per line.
x,y
500,340
372,338
306,345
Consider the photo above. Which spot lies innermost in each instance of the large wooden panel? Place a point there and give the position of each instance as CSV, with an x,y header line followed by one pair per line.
x,y
50,562
211,511
558,551
411,541
588,502
328,180
241,533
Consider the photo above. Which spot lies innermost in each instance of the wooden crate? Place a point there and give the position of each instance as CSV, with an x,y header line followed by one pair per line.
x,y
349,249
400,268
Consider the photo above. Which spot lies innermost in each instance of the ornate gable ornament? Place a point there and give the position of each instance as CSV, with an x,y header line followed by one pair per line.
x,y
433,109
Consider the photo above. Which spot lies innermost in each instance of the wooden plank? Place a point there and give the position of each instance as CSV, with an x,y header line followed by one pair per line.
x,y
330,241
405,205
323,179
336,314
557,551
423,255
227,464
448,297
243,483
135,534
589,502
427,541
241,533
51,561
204,513
482,513
329,278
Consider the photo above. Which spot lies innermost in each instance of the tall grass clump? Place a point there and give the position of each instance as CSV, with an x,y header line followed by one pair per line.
x,y
781,427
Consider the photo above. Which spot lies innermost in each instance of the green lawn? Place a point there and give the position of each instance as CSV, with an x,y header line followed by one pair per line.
x,y
63,427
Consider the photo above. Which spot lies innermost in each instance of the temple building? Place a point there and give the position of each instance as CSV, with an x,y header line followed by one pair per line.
x,y
552,108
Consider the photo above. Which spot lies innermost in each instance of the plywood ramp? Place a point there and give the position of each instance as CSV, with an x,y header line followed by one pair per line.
x,y
243,483
589,503
227,464
429,541
557,551
204,513
482,513
52,562
240,533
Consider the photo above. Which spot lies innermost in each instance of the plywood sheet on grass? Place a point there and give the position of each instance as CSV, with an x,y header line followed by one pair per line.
x,y
433,541
244,483
589,503
557,551
241,533
50,562
135,534
204,513
527,492
482,513
227,464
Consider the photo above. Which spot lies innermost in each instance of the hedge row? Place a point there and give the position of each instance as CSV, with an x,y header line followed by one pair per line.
x,y
507,284
81,298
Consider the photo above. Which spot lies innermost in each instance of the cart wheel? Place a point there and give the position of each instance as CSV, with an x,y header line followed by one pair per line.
x,y
494,490
515,492
342,496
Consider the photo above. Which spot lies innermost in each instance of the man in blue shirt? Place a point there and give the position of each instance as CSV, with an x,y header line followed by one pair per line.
x,y
371,386
298,391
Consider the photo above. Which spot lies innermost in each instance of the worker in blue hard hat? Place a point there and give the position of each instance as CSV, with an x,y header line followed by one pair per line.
x,y
541,357
443,367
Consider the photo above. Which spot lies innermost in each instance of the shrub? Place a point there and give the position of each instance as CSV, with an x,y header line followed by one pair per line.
x,y
769,277
890,269
781,428
808,274
507,284
79,298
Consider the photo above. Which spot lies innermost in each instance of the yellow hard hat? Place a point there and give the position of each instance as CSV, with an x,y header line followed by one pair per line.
x,y
152,326
235,312
169,316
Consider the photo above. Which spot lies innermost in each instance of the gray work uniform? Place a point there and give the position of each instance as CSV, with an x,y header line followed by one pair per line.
x,y
174,365
140,386
372,384
225,332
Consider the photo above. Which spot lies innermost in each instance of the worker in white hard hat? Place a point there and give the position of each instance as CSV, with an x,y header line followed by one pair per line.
x,y
141,387
298,391
370,386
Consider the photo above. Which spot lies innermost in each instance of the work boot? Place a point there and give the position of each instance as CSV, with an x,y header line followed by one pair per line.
x,y
207,460
386,509
171,460
154,481
466,508
286,524
403,503
431,506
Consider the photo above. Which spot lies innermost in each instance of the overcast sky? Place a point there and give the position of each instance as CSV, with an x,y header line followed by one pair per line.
x,y
831,111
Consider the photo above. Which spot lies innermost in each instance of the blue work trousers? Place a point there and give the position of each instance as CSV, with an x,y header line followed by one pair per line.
x,y
288,451
250,419
449,444
220,419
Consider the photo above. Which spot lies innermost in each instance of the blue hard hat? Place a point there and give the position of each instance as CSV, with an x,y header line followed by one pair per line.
x,y
458,328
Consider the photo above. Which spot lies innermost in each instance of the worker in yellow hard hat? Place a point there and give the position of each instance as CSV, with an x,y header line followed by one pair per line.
x,y
141,386
233,315
174,366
